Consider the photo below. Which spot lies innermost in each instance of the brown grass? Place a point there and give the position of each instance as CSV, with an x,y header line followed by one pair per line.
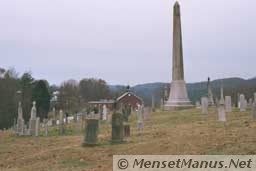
x,y
181,132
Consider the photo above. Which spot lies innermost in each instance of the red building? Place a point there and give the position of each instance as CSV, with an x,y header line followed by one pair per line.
x,y
128,98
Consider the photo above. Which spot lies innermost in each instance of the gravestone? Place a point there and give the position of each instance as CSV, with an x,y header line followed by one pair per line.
x,y
221,111
250,102
61,122
20,121
105,113
127,131
198,105
254,110
46,127
204,104
91,132
228,104
254,97
37,127
117,128
54,118
146,113
32,121
242,103
140,117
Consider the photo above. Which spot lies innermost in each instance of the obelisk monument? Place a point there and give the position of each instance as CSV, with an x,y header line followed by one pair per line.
x,y
178,98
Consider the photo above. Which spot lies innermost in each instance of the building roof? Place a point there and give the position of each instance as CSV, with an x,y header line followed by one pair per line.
x,y
127,93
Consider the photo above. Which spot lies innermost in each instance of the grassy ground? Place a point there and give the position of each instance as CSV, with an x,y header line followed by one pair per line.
x,y
181,132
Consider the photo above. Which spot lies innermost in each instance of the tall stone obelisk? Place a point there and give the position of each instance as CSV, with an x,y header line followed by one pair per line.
x,y
178,98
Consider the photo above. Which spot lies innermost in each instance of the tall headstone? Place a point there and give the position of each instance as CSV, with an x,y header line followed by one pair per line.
x,y
20,121
46,127
54,118
254,110
32,121
210,95
153,103
104,112
140,118
242,103
221,111
228,104
204,104
222,101
91,132
61,122
178,97
117,128
37,130
254,97
238,100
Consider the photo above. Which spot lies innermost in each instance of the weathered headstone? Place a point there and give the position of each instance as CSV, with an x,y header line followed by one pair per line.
x,y
117,128
204,104
140,118
221,111
20,121
32,121
146,113
254,110
228,104
210,95
61,122
254,97
242,103
37,127
91,132
105,113
127,131
250,102
46,127
198,105
54,118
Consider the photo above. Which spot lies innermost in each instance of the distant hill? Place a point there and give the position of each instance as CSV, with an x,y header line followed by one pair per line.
x,y
232,86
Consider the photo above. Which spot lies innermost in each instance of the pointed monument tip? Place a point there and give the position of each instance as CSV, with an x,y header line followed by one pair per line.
x,y
176,3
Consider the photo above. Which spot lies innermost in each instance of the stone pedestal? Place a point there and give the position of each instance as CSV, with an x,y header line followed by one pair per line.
x,y
91,132
117,128
178,98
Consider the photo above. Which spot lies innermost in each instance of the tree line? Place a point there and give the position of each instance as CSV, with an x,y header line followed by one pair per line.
x,y
71,96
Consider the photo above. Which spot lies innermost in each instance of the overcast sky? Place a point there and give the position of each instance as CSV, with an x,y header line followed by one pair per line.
x,y
127,41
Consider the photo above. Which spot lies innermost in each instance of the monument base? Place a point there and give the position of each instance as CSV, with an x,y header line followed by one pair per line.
x,y
178,98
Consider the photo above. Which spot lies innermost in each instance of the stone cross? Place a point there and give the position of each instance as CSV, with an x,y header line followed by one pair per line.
x,y
228,104
204,103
